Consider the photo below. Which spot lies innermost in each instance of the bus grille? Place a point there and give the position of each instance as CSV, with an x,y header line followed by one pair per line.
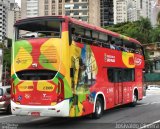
x,y
36,74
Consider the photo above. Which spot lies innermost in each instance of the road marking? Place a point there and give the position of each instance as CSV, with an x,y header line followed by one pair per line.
x,y
6,116
146,126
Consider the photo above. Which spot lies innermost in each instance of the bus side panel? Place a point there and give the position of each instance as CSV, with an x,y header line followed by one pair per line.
x,y
139,82
84,70
109,89
127,92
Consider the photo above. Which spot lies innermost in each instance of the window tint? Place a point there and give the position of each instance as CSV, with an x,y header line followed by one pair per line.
x,y
111,75
8,90
100,39
41,28
103,37
87,38
120,75
95,34
128,75
36,74
1,92
88,33
79,31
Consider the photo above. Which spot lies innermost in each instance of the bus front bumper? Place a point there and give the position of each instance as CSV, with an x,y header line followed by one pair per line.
x,y
59,110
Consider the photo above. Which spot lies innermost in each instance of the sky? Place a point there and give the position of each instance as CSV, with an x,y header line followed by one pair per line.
x,y
19,2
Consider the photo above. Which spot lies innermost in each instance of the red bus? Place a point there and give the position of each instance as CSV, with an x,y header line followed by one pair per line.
x,y
68,68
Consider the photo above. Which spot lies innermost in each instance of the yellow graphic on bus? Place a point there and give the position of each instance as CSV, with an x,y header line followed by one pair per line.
x,y
45,86
26,86
23,60
52,51
128,59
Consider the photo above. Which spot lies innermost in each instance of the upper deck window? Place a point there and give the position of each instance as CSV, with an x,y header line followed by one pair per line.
x,y
38,28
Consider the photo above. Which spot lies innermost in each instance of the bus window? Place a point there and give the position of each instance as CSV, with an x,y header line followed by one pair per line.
x,y
88,33
118,43
115,75
110,75
78,34
79,30
128,75
103,37
129,46
138,49
87,37
118,75
36,75
95,36
41,28
121,75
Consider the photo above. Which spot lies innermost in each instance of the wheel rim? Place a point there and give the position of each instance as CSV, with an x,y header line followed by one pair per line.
x,y
98,108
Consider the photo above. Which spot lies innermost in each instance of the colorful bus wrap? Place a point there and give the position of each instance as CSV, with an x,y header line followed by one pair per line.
x,y
63,67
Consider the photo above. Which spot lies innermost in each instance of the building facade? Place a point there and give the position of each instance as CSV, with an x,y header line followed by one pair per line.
x,y
51,7
132,10
29,8
17,12
10,20
154,11
120,11
78,9
4,6
84,10
94,12
153,50
106,12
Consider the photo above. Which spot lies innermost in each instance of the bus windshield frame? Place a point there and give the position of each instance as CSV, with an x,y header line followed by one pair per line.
x,y
38,28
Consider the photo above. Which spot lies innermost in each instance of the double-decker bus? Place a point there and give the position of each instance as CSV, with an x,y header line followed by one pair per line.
x,y
63,67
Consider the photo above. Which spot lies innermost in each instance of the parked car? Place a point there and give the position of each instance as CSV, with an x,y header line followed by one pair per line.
x,y
153,87
5,97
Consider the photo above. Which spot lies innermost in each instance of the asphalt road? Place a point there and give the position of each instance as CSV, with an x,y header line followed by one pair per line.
x,y
145,115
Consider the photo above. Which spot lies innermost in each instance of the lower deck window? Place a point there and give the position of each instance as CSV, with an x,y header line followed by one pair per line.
x,y
121,75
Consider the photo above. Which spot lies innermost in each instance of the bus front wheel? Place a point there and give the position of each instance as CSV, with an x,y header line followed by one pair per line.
x,y
99,108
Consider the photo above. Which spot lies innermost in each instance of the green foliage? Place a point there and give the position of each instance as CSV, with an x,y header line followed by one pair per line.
x,y
7,58
140,30
6,54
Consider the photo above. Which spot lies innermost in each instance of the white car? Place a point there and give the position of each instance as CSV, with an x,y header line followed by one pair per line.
x,y
153,87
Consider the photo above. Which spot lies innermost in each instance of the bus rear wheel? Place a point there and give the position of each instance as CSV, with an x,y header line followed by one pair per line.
x,y
99,108
135,99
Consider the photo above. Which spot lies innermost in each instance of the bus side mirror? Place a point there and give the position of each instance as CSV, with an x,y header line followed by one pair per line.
x,y
71,72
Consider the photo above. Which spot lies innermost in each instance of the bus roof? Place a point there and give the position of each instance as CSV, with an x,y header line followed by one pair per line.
x,y
81,23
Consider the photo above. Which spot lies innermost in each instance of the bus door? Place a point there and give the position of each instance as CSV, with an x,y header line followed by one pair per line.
x,y
118,86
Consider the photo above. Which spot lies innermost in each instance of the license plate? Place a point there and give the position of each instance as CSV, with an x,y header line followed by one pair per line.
x,y
35,113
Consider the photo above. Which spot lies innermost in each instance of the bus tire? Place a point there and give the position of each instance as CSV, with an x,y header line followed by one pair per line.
x,y
99,108
8,111
135,99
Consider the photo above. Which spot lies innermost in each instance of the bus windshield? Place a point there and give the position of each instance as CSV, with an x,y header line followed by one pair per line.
x,y
36,29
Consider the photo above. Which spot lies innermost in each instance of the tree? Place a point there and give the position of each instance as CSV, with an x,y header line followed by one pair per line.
x,y
140,30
